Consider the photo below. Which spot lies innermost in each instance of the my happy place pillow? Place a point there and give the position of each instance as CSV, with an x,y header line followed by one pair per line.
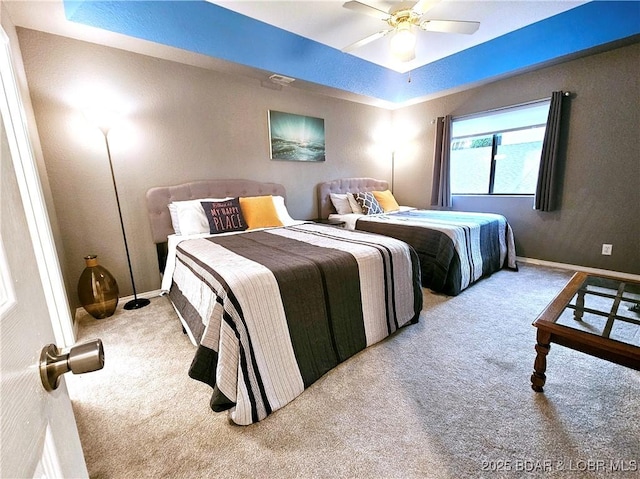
x,y
188,218
224,216
368,203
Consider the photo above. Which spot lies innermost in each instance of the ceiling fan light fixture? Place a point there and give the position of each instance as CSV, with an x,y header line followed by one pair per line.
x,y
403,42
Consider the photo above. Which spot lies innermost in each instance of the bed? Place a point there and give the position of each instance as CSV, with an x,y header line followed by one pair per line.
x,y
273,308
456,249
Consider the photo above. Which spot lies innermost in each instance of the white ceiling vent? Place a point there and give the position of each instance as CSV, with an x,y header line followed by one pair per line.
x,y
281,79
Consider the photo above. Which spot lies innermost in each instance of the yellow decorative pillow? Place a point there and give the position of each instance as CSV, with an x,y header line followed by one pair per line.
x,y
386,200
259,212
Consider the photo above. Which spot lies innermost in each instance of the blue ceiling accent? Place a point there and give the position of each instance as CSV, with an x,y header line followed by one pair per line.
x,y
209,29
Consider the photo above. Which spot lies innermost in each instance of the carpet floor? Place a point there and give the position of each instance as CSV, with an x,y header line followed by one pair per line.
x,y
449,397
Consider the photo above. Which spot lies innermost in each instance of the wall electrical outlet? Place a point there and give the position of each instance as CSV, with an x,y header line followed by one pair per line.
x,y
606,249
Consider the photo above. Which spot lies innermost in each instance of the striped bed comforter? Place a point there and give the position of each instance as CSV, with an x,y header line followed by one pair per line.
x,y
455,248
274,310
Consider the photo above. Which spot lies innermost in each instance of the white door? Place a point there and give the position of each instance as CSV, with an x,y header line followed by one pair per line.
x,y
38,434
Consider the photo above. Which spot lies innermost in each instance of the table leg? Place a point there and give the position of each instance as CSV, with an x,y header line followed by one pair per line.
x,y
579,311
543,345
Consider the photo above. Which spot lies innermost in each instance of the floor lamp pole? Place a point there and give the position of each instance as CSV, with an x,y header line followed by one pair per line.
x,y
136,302
393,168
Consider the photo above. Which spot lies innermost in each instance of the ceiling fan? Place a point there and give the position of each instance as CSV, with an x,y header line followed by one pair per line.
x,y
403,20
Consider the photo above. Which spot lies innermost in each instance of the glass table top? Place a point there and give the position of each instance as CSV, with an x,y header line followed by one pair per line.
x,y
605,307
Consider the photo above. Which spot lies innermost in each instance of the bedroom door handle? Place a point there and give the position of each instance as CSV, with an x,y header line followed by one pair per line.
x,y
81,358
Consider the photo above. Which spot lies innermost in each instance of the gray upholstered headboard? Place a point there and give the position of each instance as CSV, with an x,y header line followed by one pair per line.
x,y
345,185
158,199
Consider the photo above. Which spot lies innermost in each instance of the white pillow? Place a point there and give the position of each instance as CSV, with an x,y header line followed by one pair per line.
x,y
189,218
341,203
175,221
282,212
355,206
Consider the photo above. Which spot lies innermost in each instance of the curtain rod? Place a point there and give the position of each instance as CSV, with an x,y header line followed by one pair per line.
x,y
564,93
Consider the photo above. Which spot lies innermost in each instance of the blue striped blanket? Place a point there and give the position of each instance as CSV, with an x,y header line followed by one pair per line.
x,y
455,248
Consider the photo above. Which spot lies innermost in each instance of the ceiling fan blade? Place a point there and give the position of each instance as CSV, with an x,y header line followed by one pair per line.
x,y
366,40
423,6
366,9
450,26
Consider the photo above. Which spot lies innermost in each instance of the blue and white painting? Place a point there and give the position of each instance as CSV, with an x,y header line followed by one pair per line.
x,y
296,137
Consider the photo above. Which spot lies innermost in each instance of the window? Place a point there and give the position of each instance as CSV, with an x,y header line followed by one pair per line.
x,y
498,152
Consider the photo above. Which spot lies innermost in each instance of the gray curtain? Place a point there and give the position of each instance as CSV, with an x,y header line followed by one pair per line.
x,y
441,188
547,182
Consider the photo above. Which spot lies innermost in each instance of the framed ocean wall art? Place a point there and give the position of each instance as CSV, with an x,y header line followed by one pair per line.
x,y
296,137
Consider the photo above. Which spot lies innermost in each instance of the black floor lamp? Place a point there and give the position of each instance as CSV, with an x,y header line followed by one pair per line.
x,y
104,126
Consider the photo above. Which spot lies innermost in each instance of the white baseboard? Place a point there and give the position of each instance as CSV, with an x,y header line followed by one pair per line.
x,y
539,262
573,267
147,295
121,301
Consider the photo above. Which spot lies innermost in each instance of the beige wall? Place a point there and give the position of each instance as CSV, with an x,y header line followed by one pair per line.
x,y
16,55
32,129
186,123
600,180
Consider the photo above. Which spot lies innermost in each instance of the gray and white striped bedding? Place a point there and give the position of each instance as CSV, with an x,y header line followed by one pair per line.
x,y
455,248
274,310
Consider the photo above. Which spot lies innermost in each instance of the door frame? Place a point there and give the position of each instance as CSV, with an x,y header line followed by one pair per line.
x,y
15,120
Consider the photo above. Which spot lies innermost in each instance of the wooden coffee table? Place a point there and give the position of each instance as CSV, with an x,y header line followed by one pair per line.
x,y
594,314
